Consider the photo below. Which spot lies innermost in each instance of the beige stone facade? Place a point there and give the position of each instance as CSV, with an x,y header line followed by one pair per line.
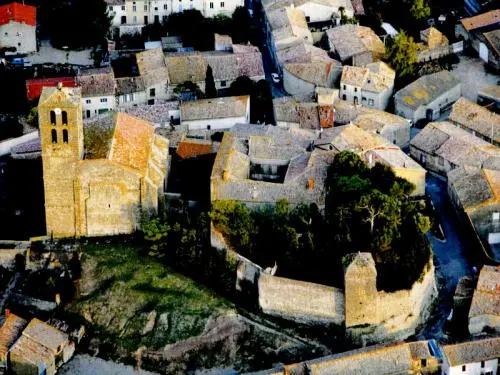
x,y
106,195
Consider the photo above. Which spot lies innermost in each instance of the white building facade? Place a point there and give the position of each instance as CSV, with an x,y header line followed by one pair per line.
x,y
145,12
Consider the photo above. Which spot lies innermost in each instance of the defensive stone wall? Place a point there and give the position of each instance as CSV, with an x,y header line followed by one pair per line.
x,y
301,301
369,315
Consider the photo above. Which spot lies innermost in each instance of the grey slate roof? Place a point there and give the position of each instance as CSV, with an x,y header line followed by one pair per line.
x,y
226,107
426,89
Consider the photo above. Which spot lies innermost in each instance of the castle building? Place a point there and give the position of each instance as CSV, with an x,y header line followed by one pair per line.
x,y
97,182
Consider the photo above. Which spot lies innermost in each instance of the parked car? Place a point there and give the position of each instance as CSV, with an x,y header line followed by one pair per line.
x,y
275,77
19,61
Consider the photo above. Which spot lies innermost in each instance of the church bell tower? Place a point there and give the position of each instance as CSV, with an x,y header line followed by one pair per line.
x,y
61,137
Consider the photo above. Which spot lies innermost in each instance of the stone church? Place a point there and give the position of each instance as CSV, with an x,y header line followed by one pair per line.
x,y
97,193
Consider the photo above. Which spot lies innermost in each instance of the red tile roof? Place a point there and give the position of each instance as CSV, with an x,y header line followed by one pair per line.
x,y
9,332
192,148
34,86
481,20
17,12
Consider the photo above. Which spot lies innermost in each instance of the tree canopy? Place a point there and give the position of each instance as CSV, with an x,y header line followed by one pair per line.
x,y
210,90
75,23
401,54
420,9
261,100
366,210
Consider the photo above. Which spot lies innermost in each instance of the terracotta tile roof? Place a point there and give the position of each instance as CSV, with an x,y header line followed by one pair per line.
x,y
152,66
457,146
481,20
474,117
226,107
186,67
32,352
472,351
9,332
224,40
375,120
132,142
486,299
46,335
351,138
353,75
493,40
286,109
434,38
129,85
426,89
490,91
395,359
17,12
317,73
191,147
351,40
96,82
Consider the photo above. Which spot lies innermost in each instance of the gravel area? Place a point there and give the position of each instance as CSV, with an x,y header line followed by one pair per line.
x,y
87,365
50,55
473,76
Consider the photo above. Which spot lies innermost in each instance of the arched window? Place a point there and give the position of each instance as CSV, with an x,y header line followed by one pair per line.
x,y
65,136
52,118
54,136
65,118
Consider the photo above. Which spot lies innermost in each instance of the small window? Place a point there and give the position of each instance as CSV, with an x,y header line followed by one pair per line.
x,y
135,19
223,83
145,8
54,135
104,100
308,19
152,92
211,5
464,368
208,127
222,4
496,216
371,102
482,364
123,7
156,9
355,89
52,118
88,101
65,118
6,34
110,8
344,87
65,136
134,8
164,6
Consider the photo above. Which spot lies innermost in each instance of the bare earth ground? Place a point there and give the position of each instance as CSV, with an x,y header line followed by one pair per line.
x,y
471,72
84,364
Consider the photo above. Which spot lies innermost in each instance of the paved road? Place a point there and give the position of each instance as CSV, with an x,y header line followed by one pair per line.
x,y
276,88
451,257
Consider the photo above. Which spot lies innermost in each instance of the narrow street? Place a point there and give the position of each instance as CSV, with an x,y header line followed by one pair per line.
x,y
451,257
276,88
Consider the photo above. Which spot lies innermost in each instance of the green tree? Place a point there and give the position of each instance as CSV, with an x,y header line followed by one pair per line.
x,y
210,90
76,23
156,233
241,26
189,87
402,54
241,86
420,9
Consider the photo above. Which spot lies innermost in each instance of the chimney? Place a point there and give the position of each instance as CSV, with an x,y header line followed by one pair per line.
x,y
59,85
7,313
310,184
